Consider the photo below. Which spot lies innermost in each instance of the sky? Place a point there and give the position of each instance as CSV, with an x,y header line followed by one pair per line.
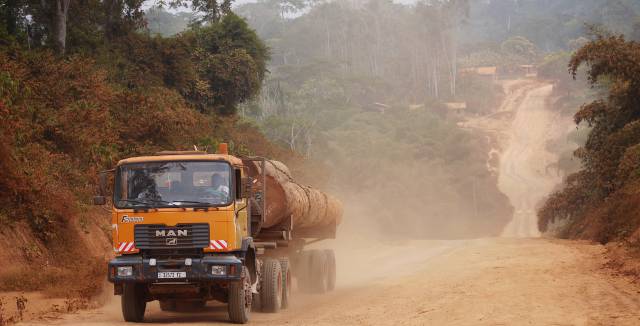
x,y
149,3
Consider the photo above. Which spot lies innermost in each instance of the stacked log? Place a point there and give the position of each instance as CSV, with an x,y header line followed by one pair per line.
x,y
307,206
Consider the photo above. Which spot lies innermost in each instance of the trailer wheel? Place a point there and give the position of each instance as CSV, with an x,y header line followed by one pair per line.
x,y
286,282
331,269
168,305
319,271
134,302
271,286
240,299
302,271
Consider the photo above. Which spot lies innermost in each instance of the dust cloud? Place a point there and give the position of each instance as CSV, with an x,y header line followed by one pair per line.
x,y
414,209
450,192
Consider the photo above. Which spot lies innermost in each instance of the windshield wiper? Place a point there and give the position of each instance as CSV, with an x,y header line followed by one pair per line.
x,y
133,201
145,201
158,201
199,203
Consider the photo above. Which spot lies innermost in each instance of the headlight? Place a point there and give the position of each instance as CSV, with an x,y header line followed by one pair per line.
x,y
219,270
125,271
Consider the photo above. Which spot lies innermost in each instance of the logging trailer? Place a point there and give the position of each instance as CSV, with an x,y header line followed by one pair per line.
x,y
189,227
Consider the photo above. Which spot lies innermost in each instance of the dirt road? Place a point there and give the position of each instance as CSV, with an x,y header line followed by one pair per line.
x,y
476,282
524,173
521,129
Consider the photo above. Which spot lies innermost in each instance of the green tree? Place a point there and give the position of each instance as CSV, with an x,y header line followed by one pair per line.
x,y
610,156
231,59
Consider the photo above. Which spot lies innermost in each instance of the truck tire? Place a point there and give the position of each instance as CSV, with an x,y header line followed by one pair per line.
x,y
302,271
256,303
271,286
134,302
240,299
286,282
319,271
331,269
199,305
168,305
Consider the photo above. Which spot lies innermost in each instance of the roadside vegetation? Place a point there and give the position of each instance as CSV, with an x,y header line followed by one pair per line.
x,y
600,201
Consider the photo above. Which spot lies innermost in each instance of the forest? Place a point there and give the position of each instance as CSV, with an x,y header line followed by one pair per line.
x,y
352,94
334,63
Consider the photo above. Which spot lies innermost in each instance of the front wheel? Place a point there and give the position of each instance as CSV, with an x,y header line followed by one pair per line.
x,y
286,282
240,299
271,286
134,302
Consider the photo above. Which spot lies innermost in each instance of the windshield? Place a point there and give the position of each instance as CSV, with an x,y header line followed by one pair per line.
x,y
170,184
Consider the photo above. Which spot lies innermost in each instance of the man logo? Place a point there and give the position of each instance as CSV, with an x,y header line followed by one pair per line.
x,y
171,233
172,241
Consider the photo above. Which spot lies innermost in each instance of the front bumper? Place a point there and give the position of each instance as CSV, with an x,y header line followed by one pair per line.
x,y
198,271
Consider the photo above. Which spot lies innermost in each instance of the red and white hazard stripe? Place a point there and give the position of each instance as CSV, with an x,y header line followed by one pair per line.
x,y
218,245
126,247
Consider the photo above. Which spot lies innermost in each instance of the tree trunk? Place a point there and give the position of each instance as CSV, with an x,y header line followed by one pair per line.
x,y
110,7
436,89
60,13
11,12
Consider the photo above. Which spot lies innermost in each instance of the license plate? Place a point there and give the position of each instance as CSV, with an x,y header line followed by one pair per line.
x,y
172,274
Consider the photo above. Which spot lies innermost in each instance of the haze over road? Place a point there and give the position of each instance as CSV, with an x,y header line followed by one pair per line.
x,y
502,281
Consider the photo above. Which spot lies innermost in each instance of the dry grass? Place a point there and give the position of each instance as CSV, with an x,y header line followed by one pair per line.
x,y
80,280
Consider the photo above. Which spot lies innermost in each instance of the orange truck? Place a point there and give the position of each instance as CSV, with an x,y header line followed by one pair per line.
x,y
190,227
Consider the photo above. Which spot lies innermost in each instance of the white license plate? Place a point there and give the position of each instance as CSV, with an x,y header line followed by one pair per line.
x,y
172,274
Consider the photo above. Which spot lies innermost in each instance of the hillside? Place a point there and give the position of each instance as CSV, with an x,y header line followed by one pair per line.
x,y
74,107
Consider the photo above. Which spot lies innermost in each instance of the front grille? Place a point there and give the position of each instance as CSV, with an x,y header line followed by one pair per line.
x,y
169,254
181,236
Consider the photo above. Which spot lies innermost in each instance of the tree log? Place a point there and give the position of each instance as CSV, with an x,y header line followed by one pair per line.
x,y
307,206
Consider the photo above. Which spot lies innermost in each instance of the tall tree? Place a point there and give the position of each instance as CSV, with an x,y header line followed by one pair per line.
x,y
611,155
10,8
210,11
60,14
122,17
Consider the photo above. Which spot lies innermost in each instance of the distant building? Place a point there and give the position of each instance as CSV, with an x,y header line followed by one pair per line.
x,y
529,71
456,109
377,107
489,72
415,107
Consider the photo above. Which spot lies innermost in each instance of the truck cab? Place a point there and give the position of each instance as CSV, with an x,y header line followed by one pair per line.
x,y
181,233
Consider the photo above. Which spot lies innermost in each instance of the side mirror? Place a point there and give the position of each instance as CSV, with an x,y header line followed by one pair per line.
x,y
99,200
103,178
102,183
